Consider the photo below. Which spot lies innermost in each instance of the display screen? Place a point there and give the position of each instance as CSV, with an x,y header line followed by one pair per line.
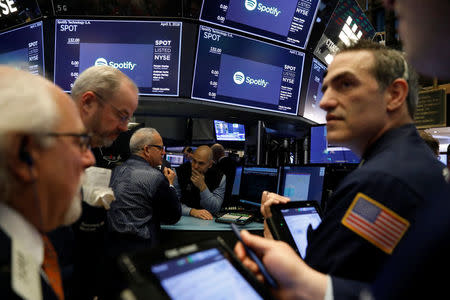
x,y
23,48
348,23
288,22
175,159
229,131
323,153
302,182
443,158
312,111
255,180
240,71
237,181
205,275
147,51
298,220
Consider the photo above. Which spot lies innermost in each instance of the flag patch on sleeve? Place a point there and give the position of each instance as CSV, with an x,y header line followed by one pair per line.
x,y
375,222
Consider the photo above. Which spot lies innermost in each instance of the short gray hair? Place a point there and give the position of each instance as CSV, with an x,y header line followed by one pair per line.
x,y
26,107
389,65
104,80
141,138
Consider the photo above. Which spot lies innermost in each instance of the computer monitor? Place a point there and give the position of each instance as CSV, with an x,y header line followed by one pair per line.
x,y
288,22
348,23
23,48
301,183
147,51
229,131
312,110
443,158
255,180
175,159
321,152
236,70
237,182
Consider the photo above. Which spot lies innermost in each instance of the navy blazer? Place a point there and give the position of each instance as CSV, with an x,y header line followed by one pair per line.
x,y
5,273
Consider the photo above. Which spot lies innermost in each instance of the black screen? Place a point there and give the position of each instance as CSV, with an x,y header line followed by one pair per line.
x,y
241,71
147,51
255,180
23,48
284,21
302,182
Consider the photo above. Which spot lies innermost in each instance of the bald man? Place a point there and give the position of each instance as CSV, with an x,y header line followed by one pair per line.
x,y
200,185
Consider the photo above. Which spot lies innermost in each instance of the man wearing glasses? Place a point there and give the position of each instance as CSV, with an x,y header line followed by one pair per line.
x,y
106,99
45,150
144,196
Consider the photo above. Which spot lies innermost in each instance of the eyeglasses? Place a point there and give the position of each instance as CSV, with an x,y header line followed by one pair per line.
x,y
84,139
160,148
124,119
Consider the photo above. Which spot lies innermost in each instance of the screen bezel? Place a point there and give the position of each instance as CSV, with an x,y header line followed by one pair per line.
x,y
145,259
278,225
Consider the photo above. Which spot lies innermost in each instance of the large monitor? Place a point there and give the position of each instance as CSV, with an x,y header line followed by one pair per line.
x,y
147,51
175,159
348,23
23,48
312,111
320,152
288,22
240,71
229,131
301,183
255,180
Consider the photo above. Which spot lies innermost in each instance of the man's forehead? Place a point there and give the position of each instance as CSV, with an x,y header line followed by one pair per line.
x,y
351,62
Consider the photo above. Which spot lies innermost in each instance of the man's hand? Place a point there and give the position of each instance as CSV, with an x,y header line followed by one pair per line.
x,y
198,179
268,199
201,214
295,278
170,175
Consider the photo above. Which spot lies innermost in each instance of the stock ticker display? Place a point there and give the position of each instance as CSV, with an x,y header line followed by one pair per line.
x,y
146,51
288,22
241,71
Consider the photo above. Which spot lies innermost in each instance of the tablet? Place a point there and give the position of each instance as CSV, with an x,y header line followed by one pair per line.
x,y
290,222
202,270
239,218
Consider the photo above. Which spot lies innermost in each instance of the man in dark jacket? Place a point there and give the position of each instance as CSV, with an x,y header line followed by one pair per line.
x,y
200,185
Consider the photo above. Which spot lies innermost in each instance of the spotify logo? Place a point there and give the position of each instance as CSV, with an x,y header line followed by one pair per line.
x,y
239,77
101,62
250,4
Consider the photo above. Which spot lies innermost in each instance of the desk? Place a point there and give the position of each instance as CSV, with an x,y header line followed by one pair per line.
x,y
190,229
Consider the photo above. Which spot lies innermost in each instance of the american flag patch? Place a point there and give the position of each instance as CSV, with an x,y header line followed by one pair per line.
x,y
375,222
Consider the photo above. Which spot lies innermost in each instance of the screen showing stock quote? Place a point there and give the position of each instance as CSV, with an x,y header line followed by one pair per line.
x,y
240,71
348,23
23,48
288,22
147,51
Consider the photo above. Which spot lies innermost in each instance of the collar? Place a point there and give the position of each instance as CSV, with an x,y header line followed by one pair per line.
x,y
386,140
19,229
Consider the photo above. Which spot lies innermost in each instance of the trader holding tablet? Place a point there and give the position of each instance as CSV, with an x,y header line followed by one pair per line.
x,y
370,97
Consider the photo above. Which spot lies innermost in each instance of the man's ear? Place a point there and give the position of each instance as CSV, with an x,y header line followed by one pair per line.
x,y
88,103
397,94
21,157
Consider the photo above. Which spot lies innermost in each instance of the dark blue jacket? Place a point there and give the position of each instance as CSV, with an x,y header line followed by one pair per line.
x,y
398,171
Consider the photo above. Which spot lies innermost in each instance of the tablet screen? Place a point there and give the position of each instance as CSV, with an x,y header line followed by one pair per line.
x,y
298,219
205,275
